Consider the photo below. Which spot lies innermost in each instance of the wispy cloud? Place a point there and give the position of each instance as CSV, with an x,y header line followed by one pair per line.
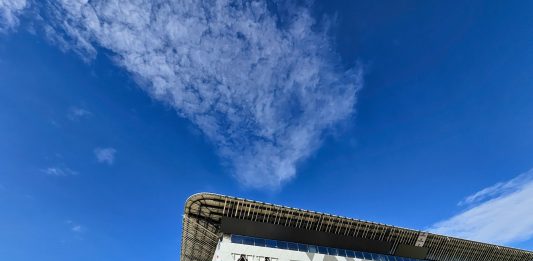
x,y
499,214
76,113
76,228
261,81
9,12
59,171
105,155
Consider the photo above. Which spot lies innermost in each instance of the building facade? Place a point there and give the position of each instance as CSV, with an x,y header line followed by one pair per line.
x,y
223,228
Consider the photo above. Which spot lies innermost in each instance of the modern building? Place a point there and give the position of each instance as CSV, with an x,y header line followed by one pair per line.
x,y
222,228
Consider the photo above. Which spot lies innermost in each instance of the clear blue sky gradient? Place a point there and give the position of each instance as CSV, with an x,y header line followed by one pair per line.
x,y
445,111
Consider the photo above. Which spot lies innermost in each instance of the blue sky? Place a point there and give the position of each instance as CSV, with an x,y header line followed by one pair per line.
x,y
412,114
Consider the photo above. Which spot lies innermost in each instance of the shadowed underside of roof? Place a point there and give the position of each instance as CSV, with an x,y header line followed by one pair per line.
x,y
204,213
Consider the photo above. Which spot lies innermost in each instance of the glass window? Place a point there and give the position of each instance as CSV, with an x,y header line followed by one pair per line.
x,y
359,254
271,243
332,251
322,250
236,239
312,249
259,242
350,253
282,244
292,246
391,258
248,241
303,247
367,256
341,252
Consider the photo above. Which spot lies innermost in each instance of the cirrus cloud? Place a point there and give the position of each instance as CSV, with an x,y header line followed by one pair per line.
x,y
499,214
9,12
258,78
59,171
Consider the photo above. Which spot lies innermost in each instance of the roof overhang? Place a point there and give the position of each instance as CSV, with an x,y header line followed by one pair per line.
x,y
207,216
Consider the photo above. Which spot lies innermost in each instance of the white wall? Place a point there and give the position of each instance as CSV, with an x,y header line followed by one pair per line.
x,y
227,251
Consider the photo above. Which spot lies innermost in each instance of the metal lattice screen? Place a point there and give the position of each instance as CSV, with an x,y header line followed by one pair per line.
x,y
204,211
198,241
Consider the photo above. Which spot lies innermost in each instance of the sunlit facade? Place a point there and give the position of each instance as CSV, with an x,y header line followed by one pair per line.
x,y
237,248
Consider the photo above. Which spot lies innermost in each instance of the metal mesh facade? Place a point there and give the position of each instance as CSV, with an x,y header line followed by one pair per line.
x,y
203,214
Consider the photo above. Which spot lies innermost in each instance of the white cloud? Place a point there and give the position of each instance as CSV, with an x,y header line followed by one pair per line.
x,y
75,227
76,113
105,155
500,214
261,81
59,171
9,12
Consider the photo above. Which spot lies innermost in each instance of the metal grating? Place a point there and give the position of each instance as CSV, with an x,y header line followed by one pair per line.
x,y
198,243
203,213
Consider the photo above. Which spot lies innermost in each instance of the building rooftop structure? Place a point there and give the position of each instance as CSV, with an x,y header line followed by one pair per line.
x,y
208,216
